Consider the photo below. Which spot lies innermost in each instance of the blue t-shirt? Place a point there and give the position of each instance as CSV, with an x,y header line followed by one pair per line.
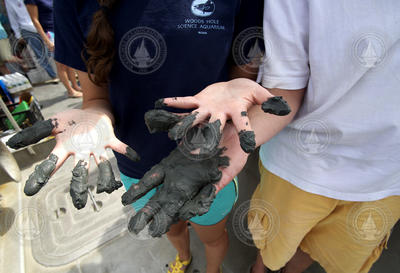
x,y
165,48
45,9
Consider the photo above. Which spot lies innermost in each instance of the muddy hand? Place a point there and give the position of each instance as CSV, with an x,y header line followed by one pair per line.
x,y
186,183
82,134
223,101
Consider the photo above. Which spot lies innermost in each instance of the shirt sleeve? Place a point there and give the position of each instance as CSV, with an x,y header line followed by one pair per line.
x,y
12,18
69,37
286,36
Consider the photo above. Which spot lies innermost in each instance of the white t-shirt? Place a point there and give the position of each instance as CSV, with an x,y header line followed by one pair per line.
x,y
19,17
345,141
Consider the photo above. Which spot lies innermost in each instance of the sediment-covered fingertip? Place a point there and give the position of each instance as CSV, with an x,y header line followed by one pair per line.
x,y
247,141
132,154
159,104
40,176
276,106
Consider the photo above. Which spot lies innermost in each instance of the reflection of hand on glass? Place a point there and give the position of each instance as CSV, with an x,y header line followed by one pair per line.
x,y
230,100
81,133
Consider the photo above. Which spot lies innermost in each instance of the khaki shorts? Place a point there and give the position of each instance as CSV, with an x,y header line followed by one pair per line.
x,y
342,236
5,51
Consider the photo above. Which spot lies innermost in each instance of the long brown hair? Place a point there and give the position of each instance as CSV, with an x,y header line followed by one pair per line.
x,y
100,44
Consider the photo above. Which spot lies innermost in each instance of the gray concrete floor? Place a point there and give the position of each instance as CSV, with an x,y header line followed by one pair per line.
x,y
105,246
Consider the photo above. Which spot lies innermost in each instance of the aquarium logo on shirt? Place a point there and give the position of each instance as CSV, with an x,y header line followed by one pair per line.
x,y
142,50
203,8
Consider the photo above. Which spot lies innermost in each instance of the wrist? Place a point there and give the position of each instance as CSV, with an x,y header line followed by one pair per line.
x,y
99,106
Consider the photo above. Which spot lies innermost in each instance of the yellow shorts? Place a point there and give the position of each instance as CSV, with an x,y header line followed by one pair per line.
x,y
342,236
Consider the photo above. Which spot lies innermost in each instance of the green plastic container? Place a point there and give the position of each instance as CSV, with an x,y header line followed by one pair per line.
x,y
23,106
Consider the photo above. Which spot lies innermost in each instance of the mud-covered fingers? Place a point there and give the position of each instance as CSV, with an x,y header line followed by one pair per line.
x,y
180,129
221,117
33,134
200,204
178,102
124,149
276,106
150,180
138,222
45,170
246,134
168,214
161,223
106,181
161,120
79,184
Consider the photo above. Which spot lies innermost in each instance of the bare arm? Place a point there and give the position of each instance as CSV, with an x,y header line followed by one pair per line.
x,y
266,126
95,97
34,13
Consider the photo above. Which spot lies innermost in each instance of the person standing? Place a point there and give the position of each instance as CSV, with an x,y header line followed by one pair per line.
x,y
41,13
22,26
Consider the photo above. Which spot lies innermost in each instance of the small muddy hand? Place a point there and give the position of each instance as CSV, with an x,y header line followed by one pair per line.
x,y
186,185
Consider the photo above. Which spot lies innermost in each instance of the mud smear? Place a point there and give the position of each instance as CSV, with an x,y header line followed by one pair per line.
x,y
107,182
203,138
161,120
276,106
79,185
247,141
159,104
31,135
198,205
40,176
132,154
179,130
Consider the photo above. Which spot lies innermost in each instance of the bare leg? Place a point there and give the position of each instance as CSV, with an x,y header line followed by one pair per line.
x,y
72,78
299,262
216,242
63,75
258,266
178,235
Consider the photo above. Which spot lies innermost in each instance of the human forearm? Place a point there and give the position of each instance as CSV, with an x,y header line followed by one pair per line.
x,y
266,126
41,32
244,71
95,97
34,14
